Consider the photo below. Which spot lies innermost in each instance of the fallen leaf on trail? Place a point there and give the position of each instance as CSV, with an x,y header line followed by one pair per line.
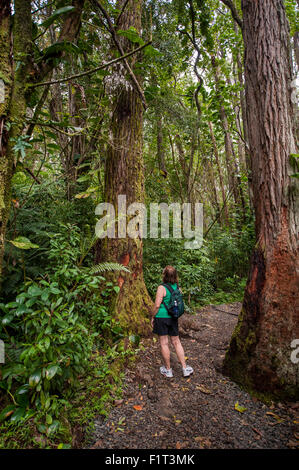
x,y
203,389
178,445
272,414
118,402
137,407
177,421
239,408
278,418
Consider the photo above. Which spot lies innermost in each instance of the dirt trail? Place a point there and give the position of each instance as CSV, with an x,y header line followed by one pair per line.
x,y
197,412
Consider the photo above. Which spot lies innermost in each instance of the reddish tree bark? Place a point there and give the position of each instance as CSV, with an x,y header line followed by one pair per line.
x,y
260,348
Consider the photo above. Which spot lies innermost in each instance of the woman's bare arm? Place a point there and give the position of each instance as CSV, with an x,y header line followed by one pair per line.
x,y
161,292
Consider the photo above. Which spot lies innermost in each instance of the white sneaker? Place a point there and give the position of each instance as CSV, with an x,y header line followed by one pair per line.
x,y
187,371
166,372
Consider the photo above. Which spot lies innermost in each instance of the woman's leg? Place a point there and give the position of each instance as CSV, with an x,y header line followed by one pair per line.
x,y
179,350
165,350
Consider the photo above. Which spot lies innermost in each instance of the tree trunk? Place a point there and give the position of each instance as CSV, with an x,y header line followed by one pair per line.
x,y
160,146
16,75
260,348
5,97
13,109
226,216
125,176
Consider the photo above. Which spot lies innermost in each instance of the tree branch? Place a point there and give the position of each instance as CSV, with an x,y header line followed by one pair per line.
x,y
89,72
234,12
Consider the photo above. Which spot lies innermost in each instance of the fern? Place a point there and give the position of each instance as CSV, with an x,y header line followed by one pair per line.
x,y
103,267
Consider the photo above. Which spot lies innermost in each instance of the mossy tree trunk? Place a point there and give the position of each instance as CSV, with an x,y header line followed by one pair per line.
x,y
14,107
125,176
5,95
17,72
259,355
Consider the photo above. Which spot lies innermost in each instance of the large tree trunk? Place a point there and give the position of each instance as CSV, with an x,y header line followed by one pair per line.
x,y
16,75
13,109
125,176
260,348
5,92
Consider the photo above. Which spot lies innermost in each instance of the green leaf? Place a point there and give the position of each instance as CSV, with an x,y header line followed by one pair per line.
x,y
8,411
18,415
7,319
21,310
239,408
49,419
53,427
34,291
63,446
132,35
47,342
35,378
54,289
23,243
100,268
45,295
42,428
64,46
51,371
151,51
135,339
21,145
56,14
82,195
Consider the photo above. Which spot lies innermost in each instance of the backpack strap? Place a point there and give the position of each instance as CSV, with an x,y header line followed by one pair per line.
x,y
167,286
171,290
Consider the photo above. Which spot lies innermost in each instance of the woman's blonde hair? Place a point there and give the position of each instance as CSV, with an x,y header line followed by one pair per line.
x,y
170,275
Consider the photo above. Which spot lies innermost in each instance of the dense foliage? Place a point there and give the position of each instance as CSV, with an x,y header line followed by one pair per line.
x,y
56,318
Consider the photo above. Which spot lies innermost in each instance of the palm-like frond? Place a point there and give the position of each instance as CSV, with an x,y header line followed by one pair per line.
x,y
107,266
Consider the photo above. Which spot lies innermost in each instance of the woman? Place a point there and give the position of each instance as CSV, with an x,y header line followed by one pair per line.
x,y
164,325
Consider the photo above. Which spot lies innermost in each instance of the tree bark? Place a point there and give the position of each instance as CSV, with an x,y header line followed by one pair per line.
x,y
226,216
6,78
125,176
18,70
14,106
260,348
